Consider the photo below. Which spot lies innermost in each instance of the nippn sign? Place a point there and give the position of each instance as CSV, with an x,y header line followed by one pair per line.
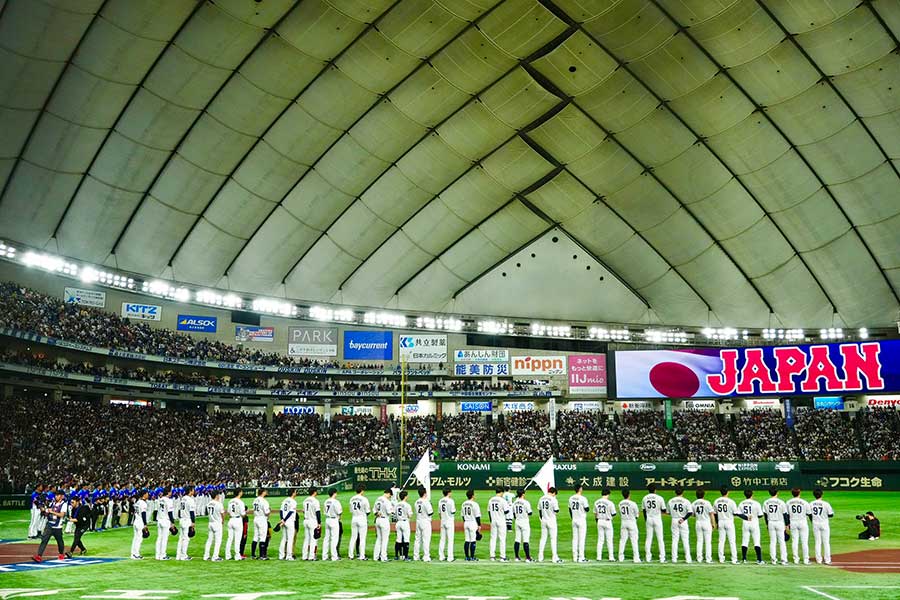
x,y
539,365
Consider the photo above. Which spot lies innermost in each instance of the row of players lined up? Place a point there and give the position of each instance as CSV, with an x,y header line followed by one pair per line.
x,y
505,514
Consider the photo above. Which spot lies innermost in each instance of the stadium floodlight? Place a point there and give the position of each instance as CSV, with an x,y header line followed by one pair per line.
x,y
51,263
215,299
658,336
863,333
7,251
723,334
384,319
601,333
496,327
274,307
90,275
831,333
440,323
165,290
321,313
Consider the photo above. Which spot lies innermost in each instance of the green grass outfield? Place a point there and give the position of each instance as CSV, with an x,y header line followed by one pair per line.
x,y
485,579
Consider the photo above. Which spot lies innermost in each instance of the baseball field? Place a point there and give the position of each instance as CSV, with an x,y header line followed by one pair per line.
x,y
862,570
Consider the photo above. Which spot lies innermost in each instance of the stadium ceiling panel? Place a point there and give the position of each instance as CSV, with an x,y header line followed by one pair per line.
x,y
662,162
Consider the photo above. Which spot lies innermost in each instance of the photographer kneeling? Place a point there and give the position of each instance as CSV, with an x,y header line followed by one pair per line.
x,y
872,525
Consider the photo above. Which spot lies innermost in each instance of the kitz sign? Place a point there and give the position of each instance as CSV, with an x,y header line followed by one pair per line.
x,y
143,312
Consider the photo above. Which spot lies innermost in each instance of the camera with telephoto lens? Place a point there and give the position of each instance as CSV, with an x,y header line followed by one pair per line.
x,y
859,517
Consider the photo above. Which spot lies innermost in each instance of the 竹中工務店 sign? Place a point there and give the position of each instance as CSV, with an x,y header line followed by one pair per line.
x,y
423,348
587,374
312,341
813,369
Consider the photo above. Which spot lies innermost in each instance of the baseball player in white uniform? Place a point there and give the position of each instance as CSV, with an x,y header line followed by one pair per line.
x,y
312,518
498,511
521,510
704,523
821,511
333,511
726,511
751,509
798,512
775,512
653,507
288,525
37,499
236,512
139,524
403,513
216,512
628,531
578,510
424,512
447,510
383,510
359,524
548,507
680,510
187,519
471,514
164,523
261,512
604,511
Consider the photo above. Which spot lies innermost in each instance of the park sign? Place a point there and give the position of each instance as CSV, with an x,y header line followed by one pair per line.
x,y
784,370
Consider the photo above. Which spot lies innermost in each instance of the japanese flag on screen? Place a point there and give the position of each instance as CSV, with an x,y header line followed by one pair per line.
x,y
666,373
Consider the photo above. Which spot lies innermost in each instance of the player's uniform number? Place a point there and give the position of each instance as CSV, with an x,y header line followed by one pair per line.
x,y
467,511
700,510
796,509
626,511
651,504
817,511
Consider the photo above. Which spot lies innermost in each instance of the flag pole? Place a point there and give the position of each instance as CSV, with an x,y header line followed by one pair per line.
x,y
402,416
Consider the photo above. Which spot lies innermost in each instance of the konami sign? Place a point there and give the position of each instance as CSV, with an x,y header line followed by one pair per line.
x,y
802,369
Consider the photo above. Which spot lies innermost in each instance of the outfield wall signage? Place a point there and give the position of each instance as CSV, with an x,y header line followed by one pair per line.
x,y
482,356
517,406
197,323
356,410
828,402
312,341
481,369
703,405
784,370
298,410
853,475
883,401
584,405
368,345
587,374
539,365
423,348
141,312
249,333
94,298
475,406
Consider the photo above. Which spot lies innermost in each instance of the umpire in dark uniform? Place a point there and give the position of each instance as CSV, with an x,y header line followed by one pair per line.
x,y
80,514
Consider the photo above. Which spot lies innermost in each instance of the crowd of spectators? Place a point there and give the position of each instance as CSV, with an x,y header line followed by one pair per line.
x,y
28,310
76,441
763,435
586,435
521,436
420,435
702,437
643,434
826,435
880,429
464,437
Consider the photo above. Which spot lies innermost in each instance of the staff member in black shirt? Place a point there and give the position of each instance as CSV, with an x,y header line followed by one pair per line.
x,y
82,516
56,511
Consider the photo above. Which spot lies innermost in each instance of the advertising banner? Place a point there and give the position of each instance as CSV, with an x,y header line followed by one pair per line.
x,y
859,475
249,333
312,341
634,405
356,410
704,405
368,345
475,406
539,365
883,401
480,369
587,374
298,410
423,348
517,406
492,355
197,323
793,370
142,312
585,405
828,402
85,297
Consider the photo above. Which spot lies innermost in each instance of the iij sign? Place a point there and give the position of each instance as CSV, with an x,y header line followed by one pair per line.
x,y
802,369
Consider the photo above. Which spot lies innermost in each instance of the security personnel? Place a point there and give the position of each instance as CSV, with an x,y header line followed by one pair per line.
x,y
81,516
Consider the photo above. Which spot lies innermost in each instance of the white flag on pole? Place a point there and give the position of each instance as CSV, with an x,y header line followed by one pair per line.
x,y
545,477
422,473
